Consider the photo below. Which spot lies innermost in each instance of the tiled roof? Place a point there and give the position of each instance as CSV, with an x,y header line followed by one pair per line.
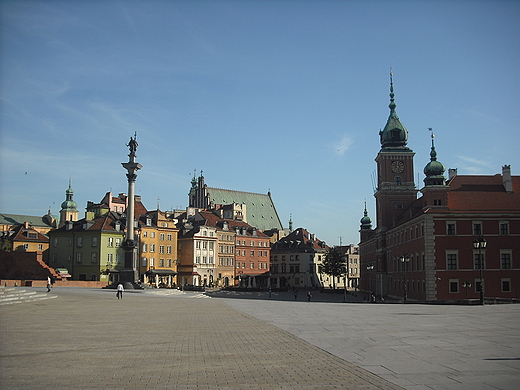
x,y
300,239
20,233
483,194
213,219
261,212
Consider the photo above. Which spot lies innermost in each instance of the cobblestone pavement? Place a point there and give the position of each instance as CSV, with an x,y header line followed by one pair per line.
x,y
88,339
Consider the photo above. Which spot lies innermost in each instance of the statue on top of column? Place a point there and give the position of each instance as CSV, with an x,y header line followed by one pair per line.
x,y
133,144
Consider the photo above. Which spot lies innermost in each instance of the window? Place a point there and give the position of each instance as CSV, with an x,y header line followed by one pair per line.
x,y
145,234
161,236
506,285
118,242
243,265
505,260
169,237
454,285
252,265
94,257
169,263
145,247
252,253
211,245
79,257
110,258
144,261
54,257
479,261
118,258
451,261
110,241
55,243
197,244
450,229
94,241
40,247
80,241
152,234
169,249
204,245
477,228
152,262
204,260
161,249
504,228
152,247
161,263
211,260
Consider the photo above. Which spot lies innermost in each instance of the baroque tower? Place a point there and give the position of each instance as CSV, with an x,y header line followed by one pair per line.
x,y
69,208
395,176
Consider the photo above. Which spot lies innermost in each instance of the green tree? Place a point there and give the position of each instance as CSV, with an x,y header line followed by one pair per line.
x,y
334,264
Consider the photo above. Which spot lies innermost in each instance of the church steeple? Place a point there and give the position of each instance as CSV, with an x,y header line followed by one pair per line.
x,y
69,208
434,170
394,134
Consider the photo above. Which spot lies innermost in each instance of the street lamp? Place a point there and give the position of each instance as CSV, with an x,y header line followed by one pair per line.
x,y
405,259
480,244
466,285
370,267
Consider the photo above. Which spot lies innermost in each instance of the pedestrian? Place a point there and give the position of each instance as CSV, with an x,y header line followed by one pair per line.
x,y
269,292
295,294
120,290
48,283
309,296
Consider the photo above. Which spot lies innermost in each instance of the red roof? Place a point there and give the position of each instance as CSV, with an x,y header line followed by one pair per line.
x,y
483,194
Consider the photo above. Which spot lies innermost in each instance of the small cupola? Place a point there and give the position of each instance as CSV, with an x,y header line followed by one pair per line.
x,y
434,170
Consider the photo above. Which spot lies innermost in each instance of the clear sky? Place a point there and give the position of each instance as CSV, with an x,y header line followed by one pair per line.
x,y
286,96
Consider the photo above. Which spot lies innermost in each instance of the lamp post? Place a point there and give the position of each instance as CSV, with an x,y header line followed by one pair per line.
x,y
405,260
370,267
466,285
480,244
345,280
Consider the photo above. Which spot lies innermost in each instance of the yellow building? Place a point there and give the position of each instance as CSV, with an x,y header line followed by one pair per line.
x,y
158,249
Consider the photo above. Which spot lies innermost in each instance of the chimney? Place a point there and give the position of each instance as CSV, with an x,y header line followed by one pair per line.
x,y
506,178
452,172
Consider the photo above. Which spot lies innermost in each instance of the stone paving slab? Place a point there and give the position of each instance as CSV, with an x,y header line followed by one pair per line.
x,y
415,346
88,339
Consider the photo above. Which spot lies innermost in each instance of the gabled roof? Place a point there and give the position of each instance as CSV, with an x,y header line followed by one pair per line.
x,y
300,239
21,233
105,222
261,212
212,219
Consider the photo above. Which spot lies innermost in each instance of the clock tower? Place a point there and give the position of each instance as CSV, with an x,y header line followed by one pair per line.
x,y
396,189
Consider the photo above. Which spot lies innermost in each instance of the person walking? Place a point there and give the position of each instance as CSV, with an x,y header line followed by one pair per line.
x,y
120,290
48,283
309,296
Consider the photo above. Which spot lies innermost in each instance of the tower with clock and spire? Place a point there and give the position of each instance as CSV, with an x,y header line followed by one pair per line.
x,y
396,189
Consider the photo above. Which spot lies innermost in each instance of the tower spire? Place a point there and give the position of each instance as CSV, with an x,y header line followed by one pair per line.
x,y
392,104
394,135
434,170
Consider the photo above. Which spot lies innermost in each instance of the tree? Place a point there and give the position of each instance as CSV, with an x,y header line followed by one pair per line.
x,y
334,264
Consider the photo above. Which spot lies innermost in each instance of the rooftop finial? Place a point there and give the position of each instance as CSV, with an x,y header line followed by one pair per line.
x,y
433,153
392,105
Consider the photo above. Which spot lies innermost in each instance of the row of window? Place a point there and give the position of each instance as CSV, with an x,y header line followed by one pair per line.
x,y
151,248
252,265
162,236
162,262
205,260
204,244
252,253
503,228
26,247
94,242
505,285
252,243
479,260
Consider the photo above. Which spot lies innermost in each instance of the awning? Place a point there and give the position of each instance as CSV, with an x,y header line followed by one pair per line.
x,y
63,272
160,272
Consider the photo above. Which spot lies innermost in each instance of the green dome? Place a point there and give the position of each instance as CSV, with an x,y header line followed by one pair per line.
x,y
366,222
69,204
434,170
394,134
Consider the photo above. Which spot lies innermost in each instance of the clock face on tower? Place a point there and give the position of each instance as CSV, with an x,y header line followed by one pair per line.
x,y
397,166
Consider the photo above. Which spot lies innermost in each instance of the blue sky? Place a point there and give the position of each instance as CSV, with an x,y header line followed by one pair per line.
x,y
286,96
